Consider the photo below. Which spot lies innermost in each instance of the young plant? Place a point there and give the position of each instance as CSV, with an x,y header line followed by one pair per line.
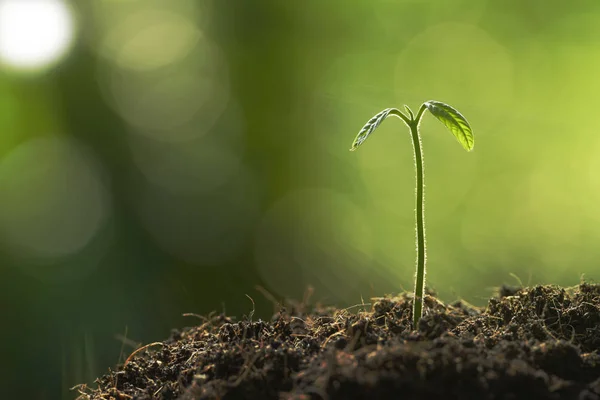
x,y
458,125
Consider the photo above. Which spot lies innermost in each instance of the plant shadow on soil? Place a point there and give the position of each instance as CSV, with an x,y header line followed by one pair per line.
x,y
528,343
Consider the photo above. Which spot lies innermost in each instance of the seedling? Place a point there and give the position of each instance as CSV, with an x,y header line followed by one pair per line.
x,y
458,125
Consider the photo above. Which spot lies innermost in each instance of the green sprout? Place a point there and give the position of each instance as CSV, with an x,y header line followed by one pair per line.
x,y
458,125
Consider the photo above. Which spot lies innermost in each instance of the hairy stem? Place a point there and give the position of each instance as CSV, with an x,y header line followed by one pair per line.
x,y
420,222
413,124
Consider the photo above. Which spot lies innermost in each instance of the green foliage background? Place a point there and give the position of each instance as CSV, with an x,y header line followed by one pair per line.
x,y
183,153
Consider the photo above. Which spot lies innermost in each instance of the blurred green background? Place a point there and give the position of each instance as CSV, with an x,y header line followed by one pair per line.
x,y
164,157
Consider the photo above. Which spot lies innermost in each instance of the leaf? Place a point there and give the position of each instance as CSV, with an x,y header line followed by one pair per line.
x,y
454,121
369,127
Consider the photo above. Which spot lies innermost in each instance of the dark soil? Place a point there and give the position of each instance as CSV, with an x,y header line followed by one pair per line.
x,y
533,343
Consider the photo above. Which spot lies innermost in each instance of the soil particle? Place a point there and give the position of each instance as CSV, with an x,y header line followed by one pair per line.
x,y
529,343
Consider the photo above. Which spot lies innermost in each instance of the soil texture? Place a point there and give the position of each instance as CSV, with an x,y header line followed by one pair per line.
x,y
529,343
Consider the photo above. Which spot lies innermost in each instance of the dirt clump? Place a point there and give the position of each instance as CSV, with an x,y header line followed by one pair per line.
x,y
537,343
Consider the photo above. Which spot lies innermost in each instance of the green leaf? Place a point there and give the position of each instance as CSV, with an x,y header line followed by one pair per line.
x,y
369,127
454,121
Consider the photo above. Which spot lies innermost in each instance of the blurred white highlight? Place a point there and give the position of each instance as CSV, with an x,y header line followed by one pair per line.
x,y
34,33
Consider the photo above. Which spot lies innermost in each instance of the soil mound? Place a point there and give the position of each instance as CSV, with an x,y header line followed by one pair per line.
x,y
530,343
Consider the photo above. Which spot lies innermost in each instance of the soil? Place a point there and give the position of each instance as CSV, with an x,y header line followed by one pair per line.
x,y
529,343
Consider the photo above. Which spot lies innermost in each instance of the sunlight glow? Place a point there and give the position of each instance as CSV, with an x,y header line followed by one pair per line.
x,y
34,33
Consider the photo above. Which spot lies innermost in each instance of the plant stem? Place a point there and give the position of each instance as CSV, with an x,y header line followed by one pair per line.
x,y
420,222
413,124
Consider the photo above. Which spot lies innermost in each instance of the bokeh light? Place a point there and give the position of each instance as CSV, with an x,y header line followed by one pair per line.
x,y
161,73
169,83
54,199
159,104
454,60
34,33
150,39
